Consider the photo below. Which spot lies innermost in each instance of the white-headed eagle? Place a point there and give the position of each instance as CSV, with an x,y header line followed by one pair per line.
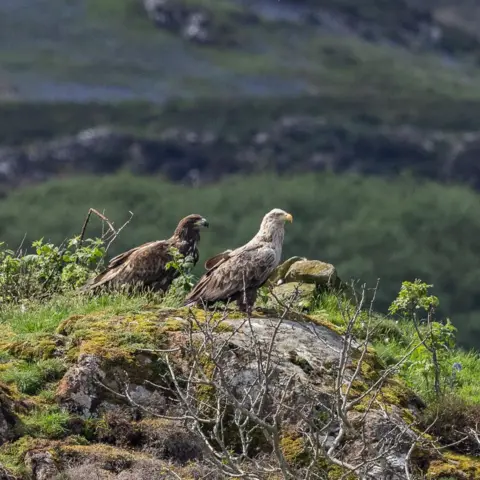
x,y
236,275
147,266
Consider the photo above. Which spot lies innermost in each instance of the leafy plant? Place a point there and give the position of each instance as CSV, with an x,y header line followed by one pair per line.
x,y
51,269
437,340
185,279
413,297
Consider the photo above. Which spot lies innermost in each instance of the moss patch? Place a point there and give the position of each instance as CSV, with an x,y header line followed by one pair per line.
x,y
323,320
293,449
111,337
457,467
105,456
35,347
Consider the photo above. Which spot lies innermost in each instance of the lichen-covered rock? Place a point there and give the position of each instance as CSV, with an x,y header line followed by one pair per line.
x,y
312,271
78,389
296,294
95,384
278,275
380,431
41,464
301,349
9,421
4,474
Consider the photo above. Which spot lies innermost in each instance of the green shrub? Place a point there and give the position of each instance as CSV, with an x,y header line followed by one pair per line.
x,y
51,269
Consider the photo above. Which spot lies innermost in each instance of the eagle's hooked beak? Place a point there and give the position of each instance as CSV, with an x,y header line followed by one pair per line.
x,y
288,217
203,223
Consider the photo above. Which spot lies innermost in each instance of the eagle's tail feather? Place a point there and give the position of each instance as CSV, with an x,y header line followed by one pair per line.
x,y
197,293
101,279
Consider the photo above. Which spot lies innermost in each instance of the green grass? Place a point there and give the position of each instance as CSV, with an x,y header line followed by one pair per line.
x,y
393,338
48,423
40,318
31,378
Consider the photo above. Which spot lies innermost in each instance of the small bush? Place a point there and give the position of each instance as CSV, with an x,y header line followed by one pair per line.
x,y
451,420
51,269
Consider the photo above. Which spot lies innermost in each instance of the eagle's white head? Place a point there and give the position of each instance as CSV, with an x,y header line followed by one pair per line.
x,y
272,226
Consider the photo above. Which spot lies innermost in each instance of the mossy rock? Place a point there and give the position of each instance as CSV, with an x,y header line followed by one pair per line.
x,y
456,467
302,294
36,348
115,338
312,271
280,272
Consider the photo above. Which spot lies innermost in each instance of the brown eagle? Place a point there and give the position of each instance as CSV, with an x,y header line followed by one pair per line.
x,y
146,266
236,275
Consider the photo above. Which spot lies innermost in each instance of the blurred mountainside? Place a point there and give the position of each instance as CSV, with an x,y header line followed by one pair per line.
x,y
199,89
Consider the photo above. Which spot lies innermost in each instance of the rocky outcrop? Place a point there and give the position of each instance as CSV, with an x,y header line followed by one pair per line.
x,y
10,425
179,390
78,389
41,464
303,349
293,144
312,271
300,280
194,23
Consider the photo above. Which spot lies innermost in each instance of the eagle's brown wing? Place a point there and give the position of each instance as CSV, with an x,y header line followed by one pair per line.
x,y
120,258
243,269
213,261
144,265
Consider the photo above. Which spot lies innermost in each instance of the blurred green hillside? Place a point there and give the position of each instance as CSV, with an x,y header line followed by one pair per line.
x,y
369,228
110,50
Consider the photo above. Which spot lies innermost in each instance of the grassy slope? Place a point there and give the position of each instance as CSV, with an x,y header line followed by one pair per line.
x,y
71,51
369,228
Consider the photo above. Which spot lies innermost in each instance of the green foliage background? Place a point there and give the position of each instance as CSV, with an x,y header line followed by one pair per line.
x,y
368,227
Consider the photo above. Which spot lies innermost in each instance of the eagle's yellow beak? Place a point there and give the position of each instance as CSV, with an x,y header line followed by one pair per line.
x,y
289,218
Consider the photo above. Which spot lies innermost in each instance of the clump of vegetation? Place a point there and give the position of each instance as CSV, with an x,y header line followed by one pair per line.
x,y
437,340
436,368
51,269
48,423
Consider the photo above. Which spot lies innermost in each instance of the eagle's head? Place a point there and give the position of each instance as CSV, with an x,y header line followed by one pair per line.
x,y
277,216
273,223
196,221
190,225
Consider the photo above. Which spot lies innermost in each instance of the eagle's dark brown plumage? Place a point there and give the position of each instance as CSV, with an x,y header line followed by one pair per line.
x,y
236,275
145,266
